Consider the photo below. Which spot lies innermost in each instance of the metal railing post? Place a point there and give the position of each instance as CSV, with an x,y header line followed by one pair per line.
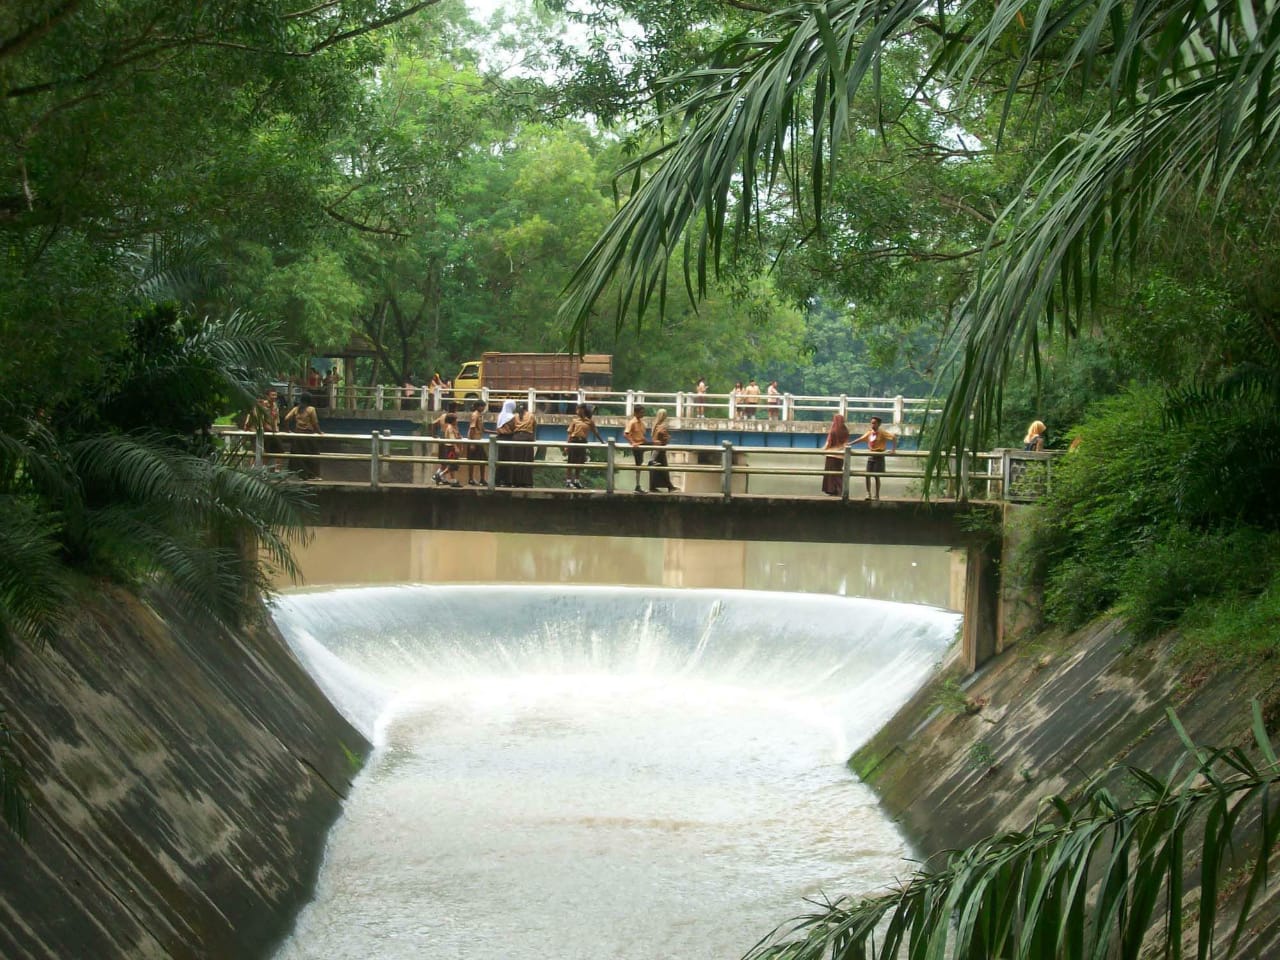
x,y
484,395
962,494
844,406
679,405
377,397
788,406
609,466
726,466
491,453
384,467
374,459
257,448
631,402
898,407
733,406
846,471
532,399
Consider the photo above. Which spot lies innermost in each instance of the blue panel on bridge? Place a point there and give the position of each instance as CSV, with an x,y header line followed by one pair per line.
x,y
558,433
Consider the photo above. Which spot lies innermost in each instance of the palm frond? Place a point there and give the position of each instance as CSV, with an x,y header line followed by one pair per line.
x,y
1246,386
1093,879
1191,106
196,522
34,584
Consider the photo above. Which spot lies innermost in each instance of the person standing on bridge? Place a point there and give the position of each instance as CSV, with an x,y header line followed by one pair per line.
x,y
833,465
450,450
877,442
1033,442
505,428
750,400
581,429
634,433
307,422
526,428
476,451
659,476
700,398
774,401
437,430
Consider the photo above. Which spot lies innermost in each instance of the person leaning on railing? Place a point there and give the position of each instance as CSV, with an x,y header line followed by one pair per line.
x,y
878,443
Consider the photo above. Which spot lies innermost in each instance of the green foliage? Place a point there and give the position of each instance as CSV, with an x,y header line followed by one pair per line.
x,y
980,757
1187,567
1156,516
1090,879
951,698
1240,630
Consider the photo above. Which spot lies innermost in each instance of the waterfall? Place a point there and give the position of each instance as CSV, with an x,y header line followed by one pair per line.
x,y
572,771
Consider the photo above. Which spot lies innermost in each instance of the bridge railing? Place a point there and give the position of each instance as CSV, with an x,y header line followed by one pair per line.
x,y
725,470
726,406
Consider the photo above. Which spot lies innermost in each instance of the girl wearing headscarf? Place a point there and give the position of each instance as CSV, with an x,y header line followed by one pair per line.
x,y
505,428
837,439
525,428
659,477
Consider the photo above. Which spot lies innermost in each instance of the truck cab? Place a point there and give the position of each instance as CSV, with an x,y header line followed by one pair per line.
x,y
468,382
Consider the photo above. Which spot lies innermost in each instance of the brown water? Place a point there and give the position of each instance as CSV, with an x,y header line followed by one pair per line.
x,y
340,556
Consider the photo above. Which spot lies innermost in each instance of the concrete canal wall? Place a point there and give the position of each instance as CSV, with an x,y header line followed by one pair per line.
x,y
1045,716
182,780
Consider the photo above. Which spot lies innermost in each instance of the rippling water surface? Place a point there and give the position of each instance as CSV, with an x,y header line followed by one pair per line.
x,y
566,773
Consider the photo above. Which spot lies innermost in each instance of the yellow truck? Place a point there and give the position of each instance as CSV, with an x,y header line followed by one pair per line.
x,y
514,373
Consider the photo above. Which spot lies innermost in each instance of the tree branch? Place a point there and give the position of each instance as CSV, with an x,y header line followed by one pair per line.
x,y
963,207
375,25
24,38
364,227
751,7
298,14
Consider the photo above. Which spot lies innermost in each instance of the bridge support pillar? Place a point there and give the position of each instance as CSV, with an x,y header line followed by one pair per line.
x,y
981,632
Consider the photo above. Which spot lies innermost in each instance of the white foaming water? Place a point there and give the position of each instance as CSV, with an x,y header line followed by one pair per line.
x,y
600,772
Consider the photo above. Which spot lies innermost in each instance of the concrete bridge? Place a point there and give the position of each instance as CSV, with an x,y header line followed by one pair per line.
x,y
972,530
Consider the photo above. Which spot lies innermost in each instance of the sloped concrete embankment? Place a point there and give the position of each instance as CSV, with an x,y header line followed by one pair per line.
x,y
1051,715
182,781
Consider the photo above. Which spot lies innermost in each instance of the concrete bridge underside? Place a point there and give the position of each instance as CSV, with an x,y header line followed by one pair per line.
x,y
972,528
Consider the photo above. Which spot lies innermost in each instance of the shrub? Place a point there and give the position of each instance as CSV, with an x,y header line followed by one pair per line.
x,y
1151,516
1187,568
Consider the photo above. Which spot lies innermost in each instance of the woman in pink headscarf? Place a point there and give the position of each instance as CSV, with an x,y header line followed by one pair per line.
x,y
837,440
